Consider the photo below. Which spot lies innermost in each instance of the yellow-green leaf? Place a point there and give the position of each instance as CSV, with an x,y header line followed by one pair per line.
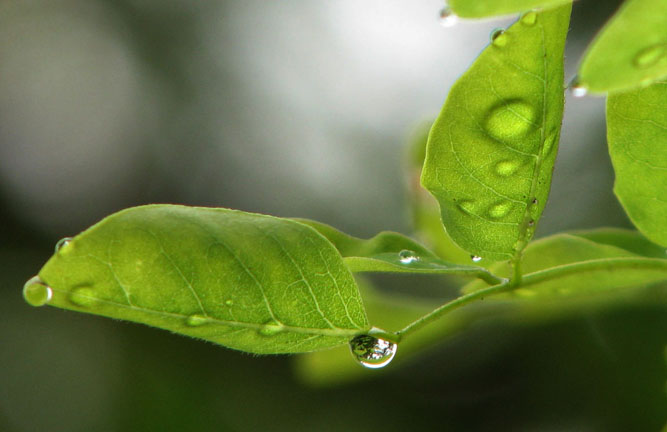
x,y
246,281
485,8
491,152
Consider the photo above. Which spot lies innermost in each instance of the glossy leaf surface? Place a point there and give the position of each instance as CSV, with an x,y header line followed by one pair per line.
x,y
637,137
631,50
246,281
486,8
491,152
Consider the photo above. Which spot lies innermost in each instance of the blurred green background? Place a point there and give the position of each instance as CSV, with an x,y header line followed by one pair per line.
x,y
292,108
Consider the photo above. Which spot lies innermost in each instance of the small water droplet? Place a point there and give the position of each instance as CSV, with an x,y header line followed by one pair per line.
x,y
498,37
650,56
62,244
467,206
506,167
407,256
83,296
531,222
499,210
229,302
447,17
196,320
475,258
529,18
534,201
511,119
372,352
577,89
36,292
271,328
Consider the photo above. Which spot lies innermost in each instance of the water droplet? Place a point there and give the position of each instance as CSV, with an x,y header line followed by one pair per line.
x,y
475,258
83,296
62,244
36,292
577,89
531,222
271,328
650,56
529,18
407,256
196,320
498,37
506,167
447,17
373,352
534,201
499,210
467,206
511,119
229,302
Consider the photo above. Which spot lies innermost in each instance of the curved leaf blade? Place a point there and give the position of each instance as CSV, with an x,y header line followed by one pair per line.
x,y
481,9
631,49
491,152
637,137
250,282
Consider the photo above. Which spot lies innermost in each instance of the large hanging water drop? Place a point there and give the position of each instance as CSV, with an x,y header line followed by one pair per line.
x,y
36,292
407,256
372,352
447,17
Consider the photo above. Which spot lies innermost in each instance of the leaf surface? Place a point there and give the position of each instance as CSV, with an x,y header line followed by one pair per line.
x,y
486,8
637,137
631,49
492,149
246,281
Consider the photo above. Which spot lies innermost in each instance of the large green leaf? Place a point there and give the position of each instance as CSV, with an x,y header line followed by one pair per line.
x,y
390,252
630,50
632,241
637,136
246,281
596,266
485,8
491,152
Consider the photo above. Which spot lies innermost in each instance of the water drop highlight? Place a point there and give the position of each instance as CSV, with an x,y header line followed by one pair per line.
x,y
407,256
650,56
196,320
62,244
510,120
36,292
372,352
506,168
577,89
529,18
83,296
498,37
475,258
447,17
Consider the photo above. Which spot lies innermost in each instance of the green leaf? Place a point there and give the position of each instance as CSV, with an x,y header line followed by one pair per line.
x,y
491,152
246,281
632,241
390,252
597,267
637,137
630,50
485,8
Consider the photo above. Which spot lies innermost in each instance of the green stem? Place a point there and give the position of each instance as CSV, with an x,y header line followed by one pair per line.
x,y
611,264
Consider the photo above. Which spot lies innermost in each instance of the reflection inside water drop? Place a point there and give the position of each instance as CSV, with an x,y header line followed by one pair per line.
x,y
372,352
447,17
36,292
407,256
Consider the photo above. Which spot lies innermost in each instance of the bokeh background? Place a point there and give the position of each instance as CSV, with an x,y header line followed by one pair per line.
x,y
292,108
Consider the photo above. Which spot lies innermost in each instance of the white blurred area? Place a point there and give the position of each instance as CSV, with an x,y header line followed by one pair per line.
x,y
291,107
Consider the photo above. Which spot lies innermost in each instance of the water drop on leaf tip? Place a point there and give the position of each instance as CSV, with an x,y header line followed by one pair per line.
x,y
36,292
372,352
447,17
407,256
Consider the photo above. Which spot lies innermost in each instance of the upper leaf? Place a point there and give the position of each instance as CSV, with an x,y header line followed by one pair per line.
x,y
637,137
250,282
491,152
630,50
485,8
